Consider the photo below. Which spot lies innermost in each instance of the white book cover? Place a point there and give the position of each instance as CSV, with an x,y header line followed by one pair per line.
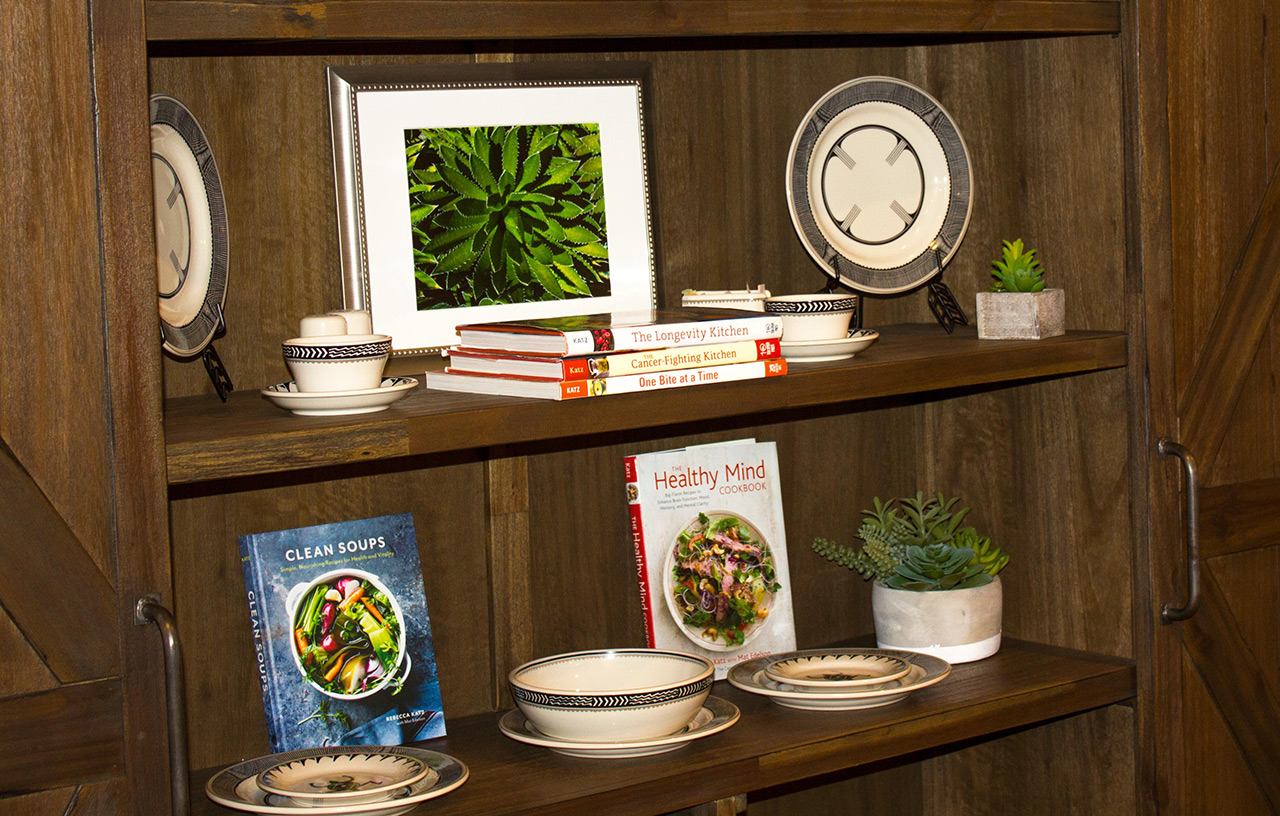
x,y
711,551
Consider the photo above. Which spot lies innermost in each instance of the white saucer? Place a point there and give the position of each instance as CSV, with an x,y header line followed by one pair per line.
x,y
925,671
339,403
823,351
715,716
237,786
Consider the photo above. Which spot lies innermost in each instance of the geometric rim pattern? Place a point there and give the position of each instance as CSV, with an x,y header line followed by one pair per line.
x,y
930,261
190,338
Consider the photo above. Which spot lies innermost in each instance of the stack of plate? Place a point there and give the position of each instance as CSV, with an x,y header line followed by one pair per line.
x,y
373,781
838,679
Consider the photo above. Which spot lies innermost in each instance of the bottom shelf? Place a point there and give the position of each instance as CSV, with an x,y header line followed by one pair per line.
x,y
1023,684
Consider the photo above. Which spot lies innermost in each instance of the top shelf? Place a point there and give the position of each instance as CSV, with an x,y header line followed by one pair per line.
x,y
604,19
206,440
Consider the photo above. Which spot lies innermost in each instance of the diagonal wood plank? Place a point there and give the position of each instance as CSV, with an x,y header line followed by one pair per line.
x,y
1239,517
68,736
1238,686
70,620
1238,327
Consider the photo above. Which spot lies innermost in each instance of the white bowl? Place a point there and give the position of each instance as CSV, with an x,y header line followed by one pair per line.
x,y
301,591
813,317
350,362
612,695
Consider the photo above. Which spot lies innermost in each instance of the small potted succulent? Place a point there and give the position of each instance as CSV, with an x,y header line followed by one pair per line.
x,y
1018,306
936,587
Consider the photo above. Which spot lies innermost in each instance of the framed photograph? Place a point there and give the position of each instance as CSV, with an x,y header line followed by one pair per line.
x,y
472,193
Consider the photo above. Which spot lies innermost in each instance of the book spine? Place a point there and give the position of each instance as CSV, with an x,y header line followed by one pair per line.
x,y
637,540
672,335
633,383
648,362
261,644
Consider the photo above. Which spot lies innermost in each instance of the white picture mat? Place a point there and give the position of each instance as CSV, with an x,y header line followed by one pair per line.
x,y
383,116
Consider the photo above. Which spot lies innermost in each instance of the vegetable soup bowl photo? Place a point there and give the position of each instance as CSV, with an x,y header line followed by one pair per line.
x,y
612,695
720,581
348,635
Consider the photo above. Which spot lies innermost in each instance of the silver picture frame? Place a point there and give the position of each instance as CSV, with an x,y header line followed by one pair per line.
x,y
373,109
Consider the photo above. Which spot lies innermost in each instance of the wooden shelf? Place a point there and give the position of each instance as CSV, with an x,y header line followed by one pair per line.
x,y
207,440
570,19
1023,684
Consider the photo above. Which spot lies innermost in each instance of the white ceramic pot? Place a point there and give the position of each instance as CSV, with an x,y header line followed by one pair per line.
x,y
957,625
612,695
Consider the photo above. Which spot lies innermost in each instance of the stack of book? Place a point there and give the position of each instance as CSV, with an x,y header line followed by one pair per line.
x,y
593,355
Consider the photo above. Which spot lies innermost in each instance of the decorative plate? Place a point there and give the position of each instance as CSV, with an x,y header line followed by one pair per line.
x,y
823,351
191,229
879,185
237,786
849,670
346,779
715,716
925,671
339,403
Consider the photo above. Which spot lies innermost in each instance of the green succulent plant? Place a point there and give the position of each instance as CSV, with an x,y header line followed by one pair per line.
x,y
891,531
937,567
506,214
1017,271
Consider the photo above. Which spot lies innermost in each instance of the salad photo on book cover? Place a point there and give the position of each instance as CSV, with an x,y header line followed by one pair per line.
x,y
343,640
709,538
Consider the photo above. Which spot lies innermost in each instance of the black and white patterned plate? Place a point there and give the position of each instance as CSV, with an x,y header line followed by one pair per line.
x,y
879,185
192,249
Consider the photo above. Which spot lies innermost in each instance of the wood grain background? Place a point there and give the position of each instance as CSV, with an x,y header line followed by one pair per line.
x,y
1045,466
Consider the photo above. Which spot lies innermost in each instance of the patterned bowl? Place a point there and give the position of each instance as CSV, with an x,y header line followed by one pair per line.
x,y
612,695
343,362
813,317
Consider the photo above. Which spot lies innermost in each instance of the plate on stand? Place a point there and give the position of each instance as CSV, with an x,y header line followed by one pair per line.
x,y
879,185
192,252
339,403
715,716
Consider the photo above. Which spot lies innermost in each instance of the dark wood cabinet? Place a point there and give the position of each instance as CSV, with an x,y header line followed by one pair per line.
x,y
518,504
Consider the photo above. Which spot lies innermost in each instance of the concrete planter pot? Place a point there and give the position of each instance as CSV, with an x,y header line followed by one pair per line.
x,y
1022,315
957,625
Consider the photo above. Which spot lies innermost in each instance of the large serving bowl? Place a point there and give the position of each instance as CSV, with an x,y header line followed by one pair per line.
x,y
612,695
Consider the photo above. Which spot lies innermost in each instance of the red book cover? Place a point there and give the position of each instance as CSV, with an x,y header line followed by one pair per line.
x,y
600,366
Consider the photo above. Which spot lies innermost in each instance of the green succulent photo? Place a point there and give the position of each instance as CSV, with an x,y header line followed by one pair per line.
x,y
507,214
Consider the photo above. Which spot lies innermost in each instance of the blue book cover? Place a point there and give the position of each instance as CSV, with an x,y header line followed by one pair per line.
x,y
342,636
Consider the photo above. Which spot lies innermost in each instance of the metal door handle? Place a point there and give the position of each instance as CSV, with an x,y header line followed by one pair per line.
x,y
1169,614
149,610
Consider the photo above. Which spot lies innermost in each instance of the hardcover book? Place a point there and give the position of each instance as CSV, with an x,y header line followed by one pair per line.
x,y
711,551
343,641
450,380
621,364
594,334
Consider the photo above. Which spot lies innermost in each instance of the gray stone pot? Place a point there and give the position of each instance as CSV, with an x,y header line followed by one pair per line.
x,y
1022,315
958,625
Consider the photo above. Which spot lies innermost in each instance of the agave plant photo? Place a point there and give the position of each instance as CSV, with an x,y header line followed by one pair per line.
x,y
507,214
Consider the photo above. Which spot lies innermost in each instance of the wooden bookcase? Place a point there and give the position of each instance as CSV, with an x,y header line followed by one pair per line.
x,y
518,504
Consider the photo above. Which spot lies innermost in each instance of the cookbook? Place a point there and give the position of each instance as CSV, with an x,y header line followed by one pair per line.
x,y
341,633
450,380
600,366
711,551
636,331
